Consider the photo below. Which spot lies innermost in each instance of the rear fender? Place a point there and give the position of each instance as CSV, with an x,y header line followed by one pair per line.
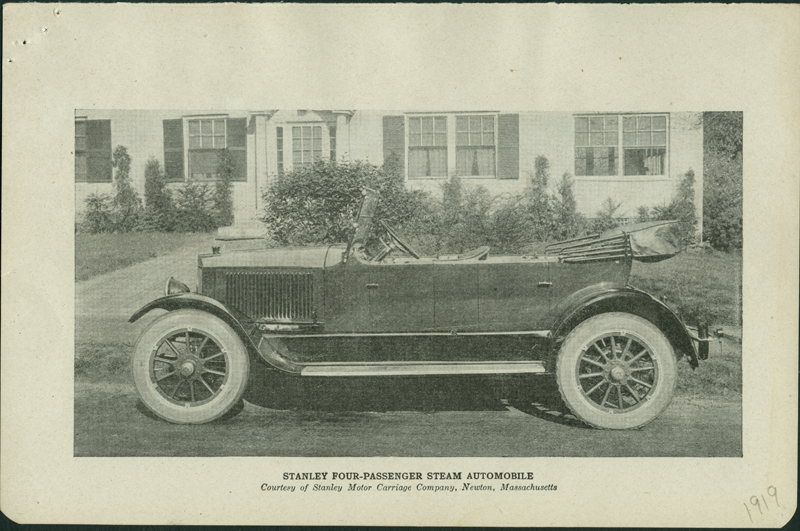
x,y
602,298
194,301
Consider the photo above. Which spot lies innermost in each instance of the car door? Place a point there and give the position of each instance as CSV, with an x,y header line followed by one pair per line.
x,y
514,294
401,296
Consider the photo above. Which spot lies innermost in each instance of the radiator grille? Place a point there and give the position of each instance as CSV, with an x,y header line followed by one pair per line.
x,y
267,295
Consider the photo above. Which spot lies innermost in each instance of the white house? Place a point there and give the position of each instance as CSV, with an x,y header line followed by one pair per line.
x,y
636,158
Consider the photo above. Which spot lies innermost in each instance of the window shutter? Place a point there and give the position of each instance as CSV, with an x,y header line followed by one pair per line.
x,y
98,151
394,139
508,146
237,146
173,150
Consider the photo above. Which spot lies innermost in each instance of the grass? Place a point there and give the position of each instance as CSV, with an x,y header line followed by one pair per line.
x,y
96,254
699,283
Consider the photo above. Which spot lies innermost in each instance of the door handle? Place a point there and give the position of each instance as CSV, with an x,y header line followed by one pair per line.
x,y
372,286
545,284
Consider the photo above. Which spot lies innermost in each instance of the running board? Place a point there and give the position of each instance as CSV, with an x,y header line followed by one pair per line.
x,y
422,368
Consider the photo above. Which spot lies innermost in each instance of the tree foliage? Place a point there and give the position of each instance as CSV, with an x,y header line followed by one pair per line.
x,y
159,212
223,190
722,175
127,205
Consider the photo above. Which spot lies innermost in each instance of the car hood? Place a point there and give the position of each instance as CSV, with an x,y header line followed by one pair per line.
x,y
290,257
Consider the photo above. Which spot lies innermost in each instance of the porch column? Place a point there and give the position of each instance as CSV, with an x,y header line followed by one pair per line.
x,y
343,134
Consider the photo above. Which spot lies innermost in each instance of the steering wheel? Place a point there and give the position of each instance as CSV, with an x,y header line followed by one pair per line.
x,y
398,240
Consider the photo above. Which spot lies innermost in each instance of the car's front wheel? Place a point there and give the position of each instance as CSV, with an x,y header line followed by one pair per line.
x,y
616,371
190,367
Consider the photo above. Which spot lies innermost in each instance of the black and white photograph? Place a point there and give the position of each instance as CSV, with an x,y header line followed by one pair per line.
x,y
549,276
485,265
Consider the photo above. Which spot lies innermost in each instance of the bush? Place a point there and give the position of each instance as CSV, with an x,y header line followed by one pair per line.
x,y
98,216
194,207
681,208
318,203
159,213
223,190
538,202
722,179
606,218
127,205
569,223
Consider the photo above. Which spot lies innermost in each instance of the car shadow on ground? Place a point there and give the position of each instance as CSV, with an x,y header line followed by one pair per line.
x,y
533,395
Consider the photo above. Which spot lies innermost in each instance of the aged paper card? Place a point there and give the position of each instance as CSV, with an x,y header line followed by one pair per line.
x,y
391,458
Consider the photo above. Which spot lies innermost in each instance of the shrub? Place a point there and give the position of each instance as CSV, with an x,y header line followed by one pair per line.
x,y
606,218
722,179
223,190
98,216
681,208
318,203
569,223
194,207
159,213
539,203
126,204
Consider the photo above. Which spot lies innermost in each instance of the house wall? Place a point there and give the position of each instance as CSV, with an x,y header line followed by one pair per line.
x,y
360,137
142,133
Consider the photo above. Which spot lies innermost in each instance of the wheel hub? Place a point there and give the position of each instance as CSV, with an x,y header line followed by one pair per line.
x,y
617,374
187,369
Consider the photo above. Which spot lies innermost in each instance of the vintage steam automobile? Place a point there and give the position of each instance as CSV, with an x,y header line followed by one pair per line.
x,y
348,311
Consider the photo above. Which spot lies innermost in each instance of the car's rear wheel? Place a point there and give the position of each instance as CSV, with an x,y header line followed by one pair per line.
x,y
190,367
616,371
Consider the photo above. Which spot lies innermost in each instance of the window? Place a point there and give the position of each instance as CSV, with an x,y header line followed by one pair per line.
x,y
640,139
279,141
93,151
475,146
306,144
332,140
427,147
207,139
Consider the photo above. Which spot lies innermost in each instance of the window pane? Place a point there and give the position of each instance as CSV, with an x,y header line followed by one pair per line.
x,y
660,138
205,127
194,127
659,123
644,123
475,139
194,142
462,139
581,139
207,142
427,139
297,143
612,138
597,139
462,123
488,139
317,131
629,123
612,123
643,139
413,125
629,139
317,144
474,123
596,123
581,125
219,141
488,123
643,161
441,139
414,139
441,124
438,160
219,127
427,124
80,128
297,157
80,143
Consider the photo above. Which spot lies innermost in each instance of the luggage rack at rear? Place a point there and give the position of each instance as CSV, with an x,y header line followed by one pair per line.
x,y
591,249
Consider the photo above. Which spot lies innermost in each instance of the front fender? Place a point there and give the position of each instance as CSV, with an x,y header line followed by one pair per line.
x,y
602,298
195,301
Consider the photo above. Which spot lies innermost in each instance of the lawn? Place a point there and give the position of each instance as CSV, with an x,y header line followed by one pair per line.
x,y
698,283
96,254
